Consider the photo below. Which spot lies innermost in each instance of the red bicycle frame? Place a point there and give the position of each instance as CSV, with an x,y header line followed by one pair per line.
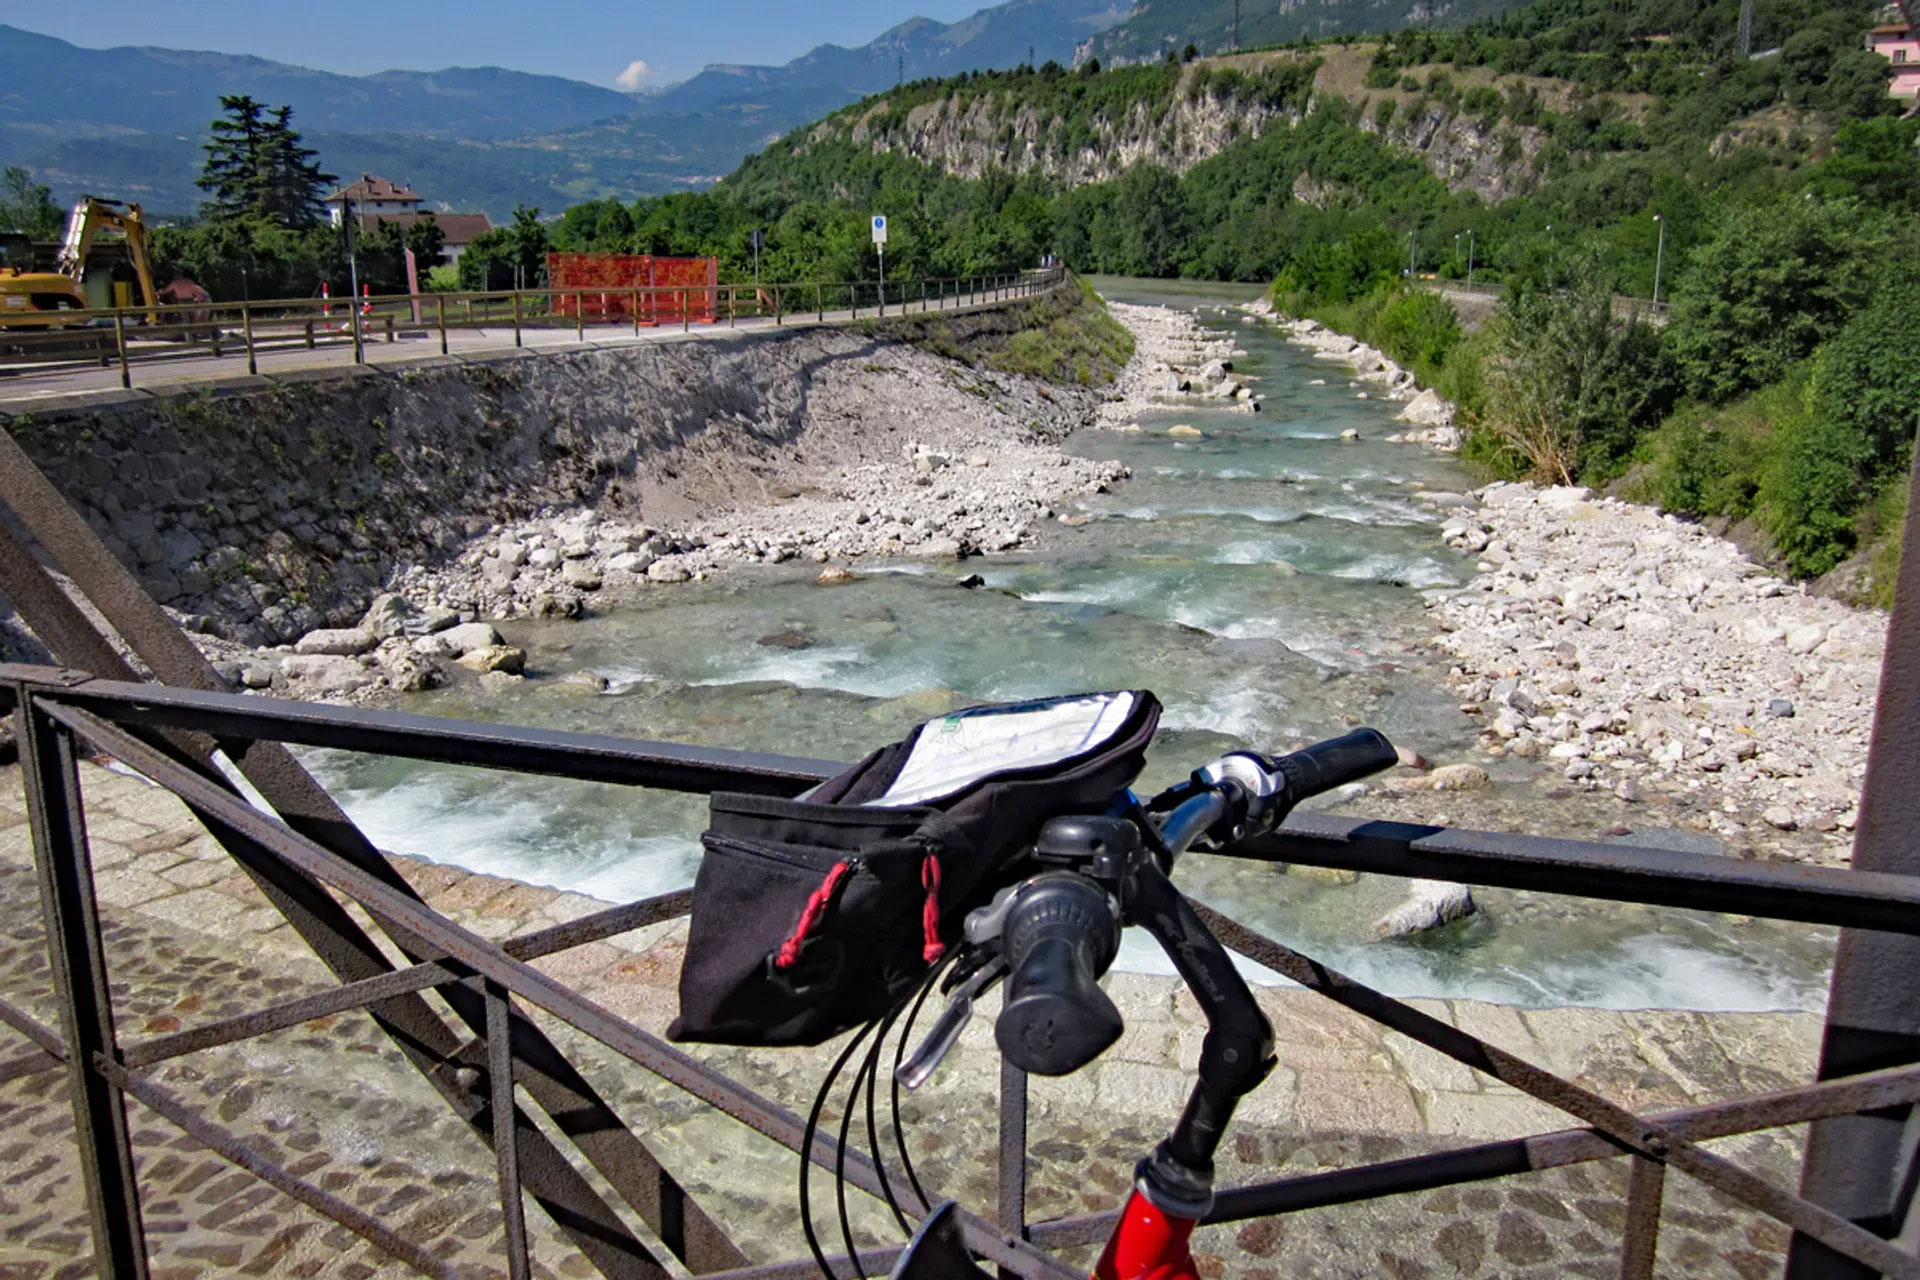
x,y
1147,1245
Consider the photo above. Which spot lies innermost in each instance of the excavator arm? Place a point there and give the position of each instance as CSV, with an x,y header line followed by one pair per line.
x,y
89,217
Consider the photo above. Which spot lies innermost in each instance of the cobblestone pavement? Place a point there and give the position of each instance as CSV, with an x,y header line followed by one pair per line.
x,y
188,939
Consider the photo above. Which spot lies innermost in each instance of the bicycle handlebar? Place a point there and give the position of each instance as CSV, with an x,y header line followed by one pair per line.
x,y
1062,929
1334,763
1060,935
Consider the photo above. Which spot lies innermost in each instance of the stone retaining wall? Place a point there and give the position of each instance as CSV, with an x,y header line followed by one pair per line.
x,y
274,505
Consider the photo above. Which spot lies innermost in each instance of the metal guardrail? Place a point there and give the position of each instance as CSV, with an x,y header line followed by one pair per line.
x,y
129,336
1625,305
489,1061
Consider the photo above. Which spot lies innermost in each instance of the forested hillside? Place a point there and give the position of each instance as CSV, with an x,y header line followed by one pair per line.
x,y
1571,151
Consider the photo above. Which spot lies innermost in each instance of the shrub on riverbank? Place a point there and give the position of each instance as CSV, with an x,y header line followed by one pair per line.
x,y
1067,337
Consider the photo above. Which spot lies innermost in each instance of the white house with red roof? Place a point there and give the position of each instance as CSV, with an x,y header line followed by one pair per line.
x,y
371,195
377,200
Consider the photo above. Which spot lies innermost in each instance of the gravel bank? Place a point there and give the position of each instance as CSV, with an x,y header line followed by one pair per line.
x,y
1176,361
1635,651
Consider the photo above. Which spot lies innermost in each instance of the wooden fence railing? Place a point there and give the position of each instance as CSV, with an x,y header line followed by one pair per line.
x,y
128,336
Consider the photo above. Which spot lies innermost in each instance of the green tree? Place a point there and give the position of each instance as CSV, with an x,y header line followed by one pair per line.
x,y
1772,282
256,167
236,173
1875,162
1571,387
27,206
427,240
1147,231
507,257
295,182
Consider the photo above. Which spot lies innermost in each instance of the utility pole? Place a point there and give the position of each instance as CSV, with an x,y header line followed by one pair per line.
x,y
1030,62
353,280
1659,260
899,69
1469,257
1236,26
1411,267
1743,38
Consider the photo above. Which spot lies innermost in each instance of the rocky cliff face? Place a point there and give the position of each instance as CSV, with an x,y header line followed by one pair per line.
x,y
1494,160
968,139
967,136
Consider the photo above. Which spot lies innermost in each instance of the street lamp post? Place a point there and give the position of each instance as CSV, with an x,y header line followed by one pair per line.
x,y
1412,267
1659,260
1469,257
1550,247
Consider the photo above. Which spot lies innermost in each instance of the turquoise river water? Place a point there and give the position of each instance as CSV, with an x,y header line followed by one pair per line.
x,y
1264,580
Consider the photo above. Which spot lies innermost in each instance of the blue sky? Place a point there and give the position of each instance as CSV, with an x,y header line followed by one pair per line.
x,y
597,42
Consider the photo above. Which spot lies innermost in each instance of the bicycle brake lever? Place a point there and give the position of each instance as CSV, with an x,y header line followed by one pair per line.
x,y
939,1041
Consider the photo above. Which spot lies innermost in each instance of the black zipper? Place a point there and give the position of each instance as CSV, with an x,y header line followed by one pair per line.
x,y
855,862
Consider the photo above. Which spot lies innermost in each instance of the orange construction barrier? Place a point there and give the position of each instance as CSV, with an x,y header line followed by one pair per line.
x,y
672,290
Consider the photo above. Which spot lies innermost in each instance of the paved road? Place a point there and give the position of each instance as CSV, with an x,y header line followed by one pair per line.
x,y
159,366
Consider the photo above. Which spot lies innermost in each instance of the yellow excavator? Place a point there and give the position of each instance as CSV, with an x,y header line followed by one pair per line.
x,y
27,293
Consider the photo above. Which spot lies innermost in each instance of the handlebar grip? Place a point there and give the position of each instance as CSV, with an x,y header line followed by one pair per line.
x,y
1059,937
1334,763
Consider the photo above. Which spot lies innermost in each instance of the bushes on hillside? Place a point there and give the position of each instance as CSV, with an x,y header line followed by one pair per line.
x,y
1570,388
1773,282
1852,439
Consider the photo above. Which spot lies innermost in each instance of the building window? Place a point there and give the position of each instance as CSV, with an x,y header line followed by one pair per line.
x,y
1899,55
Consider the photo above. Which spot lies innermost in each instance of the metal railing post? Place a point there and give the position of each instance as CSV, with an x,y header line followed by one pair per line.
x,y
820,302
636,313
246,331
516,317
1857,1166
79,967
353,323
213,333
505,1143
440,318
1646,1182
579,317
120,344
1013,1150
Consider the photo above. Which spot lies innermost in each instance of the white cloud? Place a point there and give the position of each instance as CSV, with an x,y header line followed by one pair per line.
x,y
635,77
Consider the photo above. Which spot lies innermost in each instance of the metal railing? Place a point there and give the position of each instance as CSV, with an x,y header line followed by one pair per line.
x,y
489,1061
129,336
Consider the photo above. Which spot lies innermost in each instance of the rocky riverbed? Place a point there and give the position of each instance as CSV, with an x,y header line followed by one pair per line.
x,y
1632,649
1376,373
1637,654
1175,360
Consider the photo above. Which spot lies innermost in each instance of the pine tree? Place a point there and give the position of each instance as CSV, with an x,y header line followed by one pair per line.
x,y
235,173
295,182
256,167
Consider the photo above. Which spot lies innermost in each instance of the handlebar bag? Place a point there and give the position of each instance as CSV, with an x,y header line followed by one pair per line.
x,y
819,913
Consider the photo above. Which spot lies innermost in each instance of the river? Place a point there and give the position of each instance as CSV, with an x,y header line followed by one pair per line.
x,y
1265,579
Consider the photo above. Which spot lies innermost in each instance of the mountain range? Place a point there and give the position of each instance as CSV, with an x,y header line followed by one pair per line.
x,y
129,122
